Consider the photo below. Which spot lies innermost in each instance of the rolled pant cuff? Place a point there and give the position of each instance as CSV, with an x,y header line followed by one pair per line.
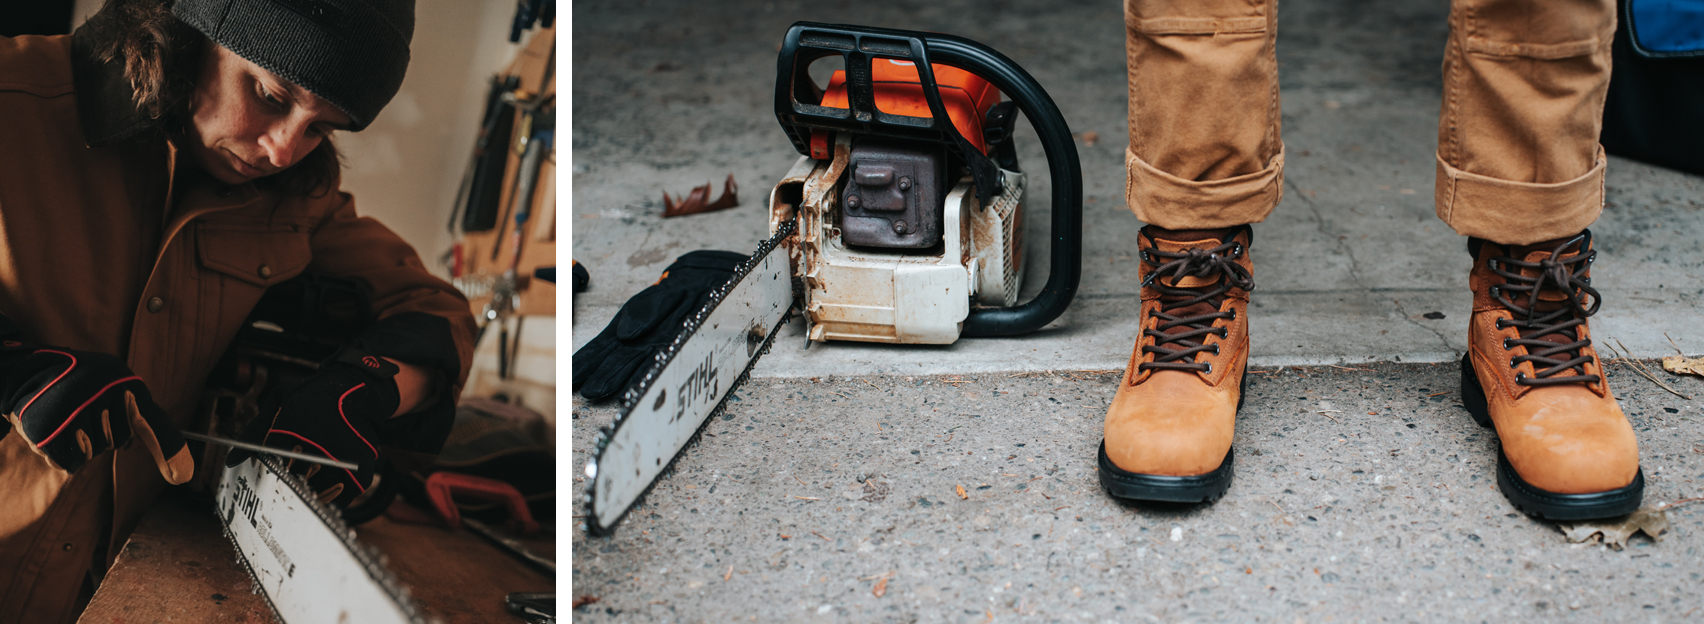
x,y
1159,198
1518,213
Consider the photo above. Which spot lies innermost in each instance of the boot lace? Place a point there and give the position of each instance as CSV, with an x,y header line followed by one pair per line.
x,y
1184,320
1556,273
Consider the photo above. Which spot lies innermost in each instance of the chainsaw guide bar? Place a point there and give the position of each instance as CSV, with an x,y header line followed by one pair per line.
x,y
689,383
301,555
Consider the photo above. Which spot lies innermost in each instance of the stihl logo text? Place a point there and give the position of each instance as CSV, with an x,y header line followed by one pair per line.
x,y
700,387
244,500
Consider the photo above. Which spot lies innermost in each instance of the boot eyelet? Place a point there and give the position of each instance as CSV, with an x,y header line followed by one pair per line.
x,y
1513,363
1236,249
1520,377
1215,351
1496,291
1209,368
1491,264
1505,340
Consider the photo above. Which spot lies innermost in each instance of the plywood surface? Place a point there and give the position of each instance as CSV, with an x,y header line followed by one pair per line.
x,y
178,567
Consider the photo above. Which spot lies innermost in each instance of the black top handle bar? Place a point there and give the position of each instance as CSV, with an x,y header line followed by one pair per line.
x,y
798,108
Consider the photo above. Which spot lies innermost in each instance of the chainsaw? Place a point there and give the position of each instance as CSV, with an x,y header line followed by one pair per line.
x,y
901,222
302,555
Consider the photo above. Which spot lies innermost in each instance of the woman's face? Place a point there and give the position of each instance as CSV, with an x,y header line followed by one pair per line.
x,y
246,123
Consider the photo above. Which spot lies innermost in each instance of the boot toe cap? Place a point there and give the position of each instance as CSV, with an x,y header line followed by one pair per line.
x,y
1598,459
1169,446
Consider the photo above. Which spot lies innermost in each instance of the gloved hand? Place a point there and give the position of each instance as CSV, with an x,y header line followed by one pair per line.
x,y
607,365
73,405
337,412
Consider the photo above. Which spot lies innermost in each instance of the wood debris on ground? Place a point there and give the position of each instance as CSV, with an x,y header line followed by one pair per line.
x,y
1621,356
962,495
880,589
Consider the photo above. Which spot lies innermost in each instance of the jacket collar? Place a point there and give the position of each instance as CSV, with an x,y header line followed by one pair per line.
x,y
104,105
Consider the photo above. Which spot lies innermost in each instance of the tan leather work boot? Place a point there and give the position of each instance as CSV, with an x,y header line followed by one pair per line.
x,y
1168,432
1567,452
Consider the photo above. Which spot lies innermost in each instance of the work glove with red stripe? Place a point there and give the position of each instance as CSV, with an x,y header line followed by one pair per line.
x,y
338,413
73,405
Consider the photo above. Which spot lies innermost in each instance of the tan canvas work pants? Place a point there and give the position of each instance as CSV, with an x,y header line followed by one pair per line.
x,y
1518,155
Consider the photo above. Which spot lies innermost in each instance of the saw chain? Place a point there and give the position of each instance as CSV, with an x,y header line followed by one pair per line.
x,y
644,400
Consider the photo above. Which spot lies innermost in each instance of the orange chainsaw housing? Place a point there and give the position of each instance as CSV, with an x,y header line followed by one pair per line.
x,y
898,90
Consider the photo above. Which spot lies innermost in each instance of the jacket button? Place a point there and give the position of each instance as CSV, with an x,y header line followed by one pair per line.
x,y
265,271
156,304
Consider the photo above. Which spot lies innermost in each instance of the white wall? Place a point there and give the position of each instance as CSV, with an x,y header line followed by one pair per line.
x,y
405,168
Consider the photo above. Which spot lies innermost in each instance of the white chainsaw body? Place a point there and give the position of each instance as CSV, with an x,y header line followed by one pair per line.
x,y
898,296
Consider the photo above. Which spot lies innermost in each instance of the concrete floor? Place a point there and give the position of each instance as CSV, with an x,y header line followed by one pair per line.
x,y
1362,494
671,94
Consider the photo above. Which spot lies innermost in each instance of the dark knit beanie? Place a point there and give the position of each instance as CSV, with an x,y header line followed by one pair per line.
x,y
353,53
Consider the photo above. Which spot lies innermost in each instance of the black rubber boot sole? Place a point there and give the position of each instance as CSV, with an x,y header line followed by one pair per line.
x,y
1540,503
1203,488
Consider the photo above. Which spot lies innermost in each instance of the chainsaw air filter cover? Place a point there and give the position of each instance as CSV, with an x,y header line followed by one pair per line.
x,y
893,197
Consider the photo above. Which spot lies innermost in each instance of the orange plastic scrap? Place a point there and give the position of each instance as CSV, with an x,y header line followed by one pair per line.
x,y
699,200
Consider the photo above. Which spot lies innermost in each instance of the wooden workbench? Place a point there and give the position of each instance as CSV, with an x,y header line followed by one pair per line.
x,y
178,567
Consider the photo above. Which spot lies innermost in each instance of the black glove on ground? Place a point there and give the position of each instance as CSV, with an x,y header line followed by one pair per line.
x,y
607,365
338,413
74,405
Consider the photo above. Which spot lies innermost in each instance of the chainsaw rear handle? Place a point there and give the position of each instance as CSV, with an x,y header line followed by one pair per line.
x,y
797,107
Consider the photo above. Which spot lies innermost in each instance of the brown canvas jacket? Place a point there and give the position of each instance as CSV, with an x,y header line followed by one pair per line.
x,y
100,251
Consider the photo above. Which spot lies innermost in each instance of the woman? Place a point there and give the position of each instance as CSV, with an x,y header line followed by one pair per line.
x,y
159,169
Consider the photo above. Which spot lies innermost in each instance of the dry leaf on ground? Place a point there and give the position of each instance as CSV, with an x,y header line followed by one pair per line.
x,y
1615,532
699,200
1090,138
961,493
1682,365
583,601
880,589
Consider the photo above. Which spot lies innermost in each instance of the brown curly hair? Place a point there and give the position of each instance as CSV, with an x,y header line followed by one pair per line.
x,y
161,56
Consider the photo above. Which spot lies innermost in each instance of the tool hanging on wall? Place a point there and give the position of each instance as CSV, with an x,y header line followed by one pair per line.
x,y
530,12
478,204
538,133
